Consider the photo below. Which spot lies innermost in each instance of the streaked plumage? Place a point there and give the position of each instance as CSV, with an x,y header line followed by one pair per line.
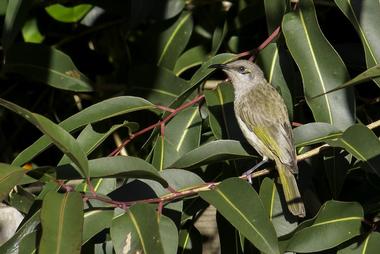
x,y
264,121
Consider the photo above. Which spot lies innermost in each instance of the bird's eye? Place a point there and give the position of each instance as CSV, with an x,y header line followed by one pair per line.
x,y
242,70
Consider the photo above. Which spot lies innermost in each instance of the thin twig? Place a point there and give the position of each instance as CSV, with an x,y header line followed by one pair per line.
x,y
160,123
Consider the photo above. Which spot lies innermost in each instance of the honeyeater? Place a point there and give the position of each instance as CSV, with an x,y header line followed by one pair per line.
x,y
263,118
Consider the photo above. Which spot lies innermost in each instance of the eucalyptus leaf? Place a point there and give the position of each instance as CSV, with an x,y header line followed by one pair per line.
x,y
212,152
47,65
241,206
363,14
335,223
62,139
137,230
62,223
9,177
362,143
321,67
95,113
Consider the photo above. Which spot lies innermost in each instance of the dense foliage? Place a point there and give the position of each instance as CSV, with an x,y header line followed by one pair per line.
x,y
115,137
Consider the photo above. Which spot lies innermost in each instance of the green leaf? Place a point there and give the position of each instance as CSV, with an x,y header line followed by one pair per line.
x,y
173,41
321,67
211,152
47,65
372,72
62,139
160,87
221,112
370,245
362,143
31,33
168,234
118,166
94,222
28,227
29,244
182,135
218,37
100,111
68,14
190,58
269,61
62,223
137,230
15,17
313,133
89,139
274,12
190,241
10,176
177,179
335,223
237,201
364,17
271,200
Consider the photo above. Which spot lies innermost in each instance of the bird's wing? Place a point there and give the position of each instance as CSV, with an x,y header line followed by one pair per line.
x,y
270,123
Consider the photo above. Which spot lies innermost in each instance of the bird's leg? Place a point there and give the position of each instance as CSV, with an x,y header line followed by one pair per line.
x,y
249,172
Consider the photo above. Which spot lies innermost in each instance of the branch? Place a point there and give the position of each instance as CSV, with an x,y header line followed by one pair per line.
x,y
160,123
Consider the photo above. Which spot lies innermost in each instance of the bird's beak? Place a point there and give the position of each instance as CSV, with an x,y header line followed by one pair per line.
x,y
219,66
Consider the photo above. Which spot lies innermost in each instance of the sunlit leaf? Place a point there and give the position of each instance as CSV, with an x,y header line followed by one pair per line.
x,y
321,67
62,223
241,206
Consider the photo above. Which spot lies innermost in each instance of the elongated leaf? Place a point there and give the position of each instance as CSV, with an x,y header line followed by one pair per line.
x,y
47,65
274,11
372,72
370,245
118,166
362,143
190,58
168,234
15,17
313,133
190,241
9,177
160,87
321,67
269,61
95,113
272,203
237,201
222,118
137,231
62,223
68,14
336,222
363,14
29,244
177,179
12,245
62,139
218,37
89,139
182,134
211,152
94,222
174,40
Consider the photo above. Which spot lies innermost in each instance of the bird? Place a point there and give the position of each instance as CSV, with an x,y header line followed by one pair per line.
x,y
264,121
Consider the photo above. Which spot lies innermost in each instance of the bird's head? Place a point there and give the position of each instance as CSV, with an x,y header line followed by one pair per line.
x,y
242,73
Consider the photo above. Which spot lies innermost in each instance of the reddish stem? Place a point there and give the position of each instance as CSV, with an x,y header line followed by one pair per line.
x,y
160,124
265,43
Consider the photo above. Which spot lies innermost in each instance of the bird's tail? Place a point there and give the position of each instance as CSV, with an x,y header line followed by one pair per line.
x,y
290,188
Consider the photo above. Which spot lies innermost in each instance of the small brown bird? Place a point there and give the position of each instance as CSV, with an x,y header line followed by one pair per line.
x,y
263,118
